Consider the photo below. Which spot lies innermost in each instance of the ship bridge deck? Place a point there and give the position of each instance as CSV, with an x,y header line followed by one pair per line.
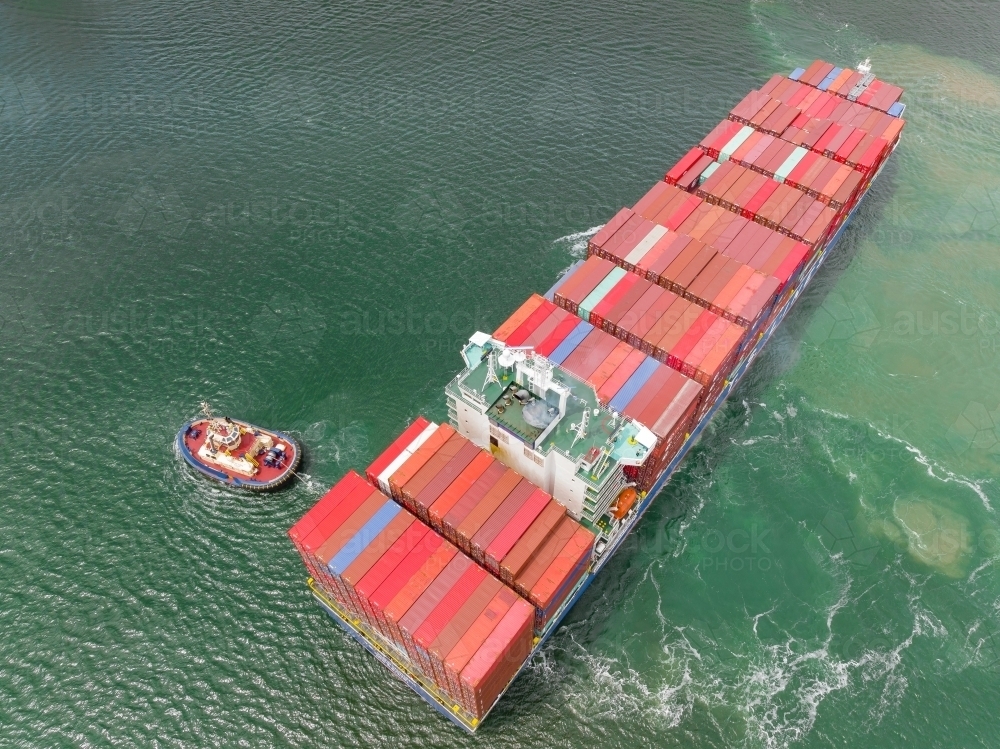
x,y
601,427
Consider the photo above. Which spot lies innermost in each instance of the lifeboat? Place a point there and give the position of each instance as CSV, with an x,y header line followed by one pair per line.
x,y
238,453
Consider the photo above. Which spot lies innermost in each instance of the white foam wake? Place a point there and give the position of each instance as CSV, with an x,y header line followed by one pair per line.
x,y
578,240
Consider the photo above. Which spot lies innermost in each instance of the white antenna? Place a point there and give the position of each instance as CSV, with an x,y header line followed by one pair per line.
x,y
491,372
206,410
865,67
580,428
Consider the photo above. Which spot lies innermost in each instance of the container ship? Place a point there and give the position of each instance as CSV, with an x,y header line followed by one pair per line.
x,y
460,549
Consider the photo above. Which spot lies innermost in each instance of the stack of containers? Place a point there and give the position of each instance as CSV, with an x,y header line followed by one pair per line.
x,y
461,631
772,131
814,105
486,510
848,84
676,262
738,278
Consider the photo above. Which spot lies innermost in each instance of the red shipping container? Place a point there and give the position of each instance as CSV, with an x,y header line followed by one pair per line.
x,y
637,334
443,612
625,247
457,488
335,518
849,144
845,194
460,655
663,245
807,219
591,265
499,520
790,265
325,506
458,626
412,589
351,525
679,352
372,553
444,478
402,574
661,399
416,538
472,497
670,328
622,234
583,363
613,225
395,449
518,558
559,579
480,513
801,168
686,162
438,460
416,461
760,197
620,311
795,213
654,192
548,327
609,365
820,227
499,659
670,254
522,313
763,113
620,376
660,377
749,106
689,180
571,299
562,330
667,203
515,528
544,554
427,601
536,318
765,142
611,299
678,216
773,81
719,136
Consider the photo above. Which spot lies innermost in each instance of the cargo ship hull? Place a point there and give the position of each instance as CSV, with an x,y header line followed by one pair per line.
x,y
640,432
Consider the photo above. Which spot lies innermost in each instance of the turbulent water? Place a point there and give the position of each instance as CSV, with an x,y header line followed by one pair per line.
x,y
298,211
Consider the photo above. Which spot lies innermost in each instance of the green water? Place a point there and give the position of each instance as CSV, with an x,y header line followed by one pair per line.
x,y
297,211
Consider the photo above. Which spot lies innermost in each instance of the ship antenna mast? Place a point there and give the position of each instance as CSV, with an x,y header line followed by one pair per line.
x,y
580,428
206,410
491,371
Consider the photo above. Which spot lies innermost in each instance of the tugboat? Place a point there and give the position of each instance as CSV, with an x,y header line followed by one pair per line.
x,y
237,453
